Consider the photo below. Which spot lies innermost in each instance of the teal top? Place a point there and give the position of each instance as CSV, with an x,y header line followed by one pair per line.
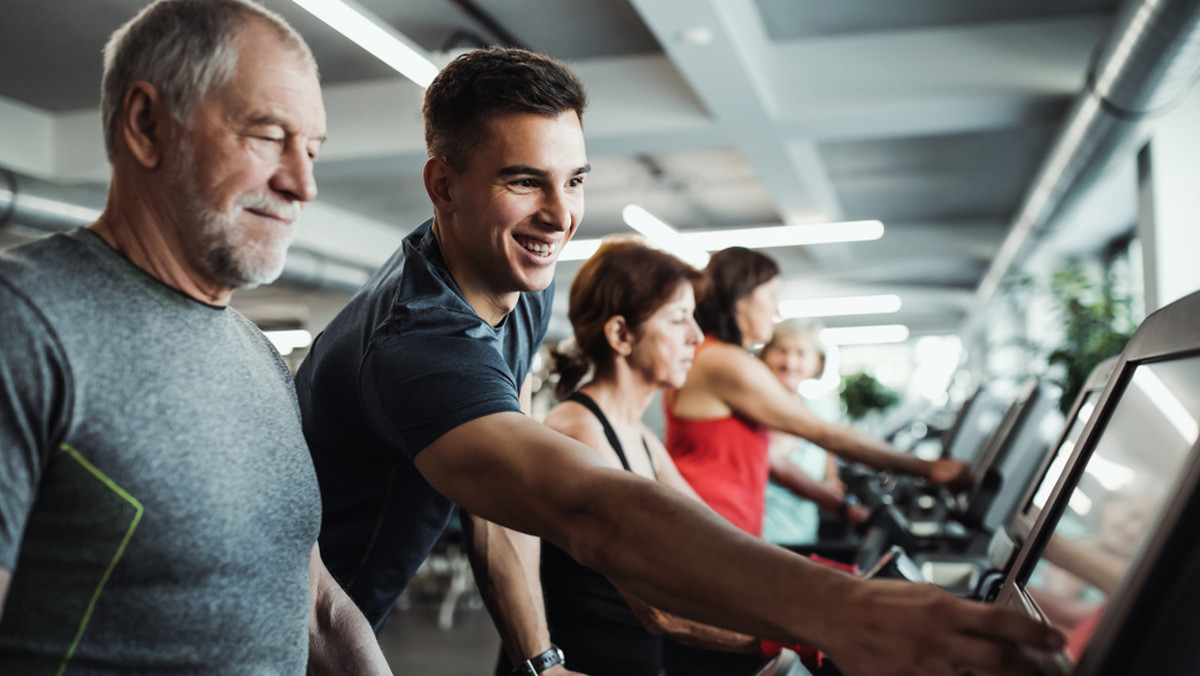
x,y
789,519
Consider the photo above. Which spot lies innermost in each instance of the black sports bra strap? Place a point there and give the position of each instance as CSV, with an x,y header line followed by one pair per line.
x,y
609,432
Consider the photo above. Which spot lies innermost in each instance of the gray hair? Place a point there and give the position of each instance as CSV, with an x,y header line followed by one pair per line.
x,y
185,49
799,326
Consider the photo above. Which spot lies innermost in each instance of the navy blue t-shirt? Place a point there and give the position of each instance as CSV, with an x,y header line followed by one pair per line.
x,y
405,361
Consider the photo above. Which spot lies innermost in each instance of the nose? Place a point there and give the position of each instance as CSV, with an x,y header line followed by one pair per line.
x,y
558,209
294,176
695,335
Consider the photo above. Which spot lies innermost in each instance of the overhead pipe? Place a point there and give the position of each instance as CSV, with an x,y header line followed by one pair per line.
x,y
38,208
1147,65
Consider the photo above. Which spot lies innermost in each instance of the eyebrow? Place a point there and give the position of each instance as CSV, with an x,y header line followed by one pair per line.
x,y
526,170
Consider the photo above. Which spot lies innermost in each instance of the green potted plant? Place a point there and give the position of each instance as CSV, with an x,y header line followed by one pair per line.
x,y
862,394
1096,321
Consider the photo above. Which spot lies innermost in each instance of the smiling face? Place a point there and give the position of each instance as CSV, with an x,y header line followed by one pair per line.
x,y
756,313
509,212
665,344
243,166
793,359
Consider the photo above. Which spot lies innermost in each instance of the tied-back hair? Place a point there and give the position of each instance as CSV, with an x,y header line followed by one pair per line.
x,y
482,84
626,278
732,274
185,49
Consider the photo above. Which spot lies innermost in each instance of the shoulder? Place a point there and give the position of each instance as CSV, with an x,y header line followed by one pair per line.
x,y
723,361
576,421
39,265
44,284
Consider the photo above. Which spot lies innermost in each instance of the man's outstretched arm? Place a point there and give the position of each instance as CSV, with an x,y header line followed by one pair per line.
x,y
678,556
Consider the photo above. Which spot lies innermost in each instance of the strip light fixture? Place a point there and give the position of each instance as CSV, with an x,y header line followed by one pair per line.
x,y
664,235
691,246
376,36
840,307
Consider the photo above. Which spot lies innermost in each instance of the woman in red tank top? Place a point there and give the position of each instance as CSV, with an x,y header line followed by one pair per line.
x,y
718,421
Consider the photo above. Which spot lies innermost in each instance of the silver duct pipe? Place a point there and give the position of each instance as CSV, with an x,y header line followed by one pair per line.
x,y
44,206
1148,64
34,207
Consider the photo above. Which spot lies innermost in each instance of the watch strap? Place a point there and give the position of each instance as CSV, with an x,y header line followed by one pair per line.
x,y
536,665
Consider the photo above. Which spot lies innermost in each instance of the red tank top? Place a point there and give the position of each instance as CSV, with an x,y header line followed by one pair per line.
x,y
725,460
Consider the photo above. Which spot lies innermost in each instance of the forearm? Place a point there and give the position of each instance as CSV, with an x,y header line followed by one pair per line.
x,y
506,568
340,640
852,445
1087,562
787,474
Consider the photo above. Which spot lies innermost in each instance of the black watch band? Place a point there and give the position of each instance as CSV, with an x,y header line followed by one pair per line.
x,y
536,665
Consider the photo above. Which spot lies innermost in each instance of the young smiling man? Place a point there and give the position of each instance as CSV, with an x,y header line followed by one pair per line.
x,y
158,505
415,398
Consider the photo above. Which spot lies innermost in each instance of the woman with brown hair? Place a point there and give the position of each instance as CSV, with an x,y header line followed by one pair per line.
x,y
631,308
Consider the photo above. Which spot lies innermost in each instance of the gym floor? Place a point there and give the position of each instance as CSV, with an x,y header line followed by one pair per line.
x,y
415,644
440,627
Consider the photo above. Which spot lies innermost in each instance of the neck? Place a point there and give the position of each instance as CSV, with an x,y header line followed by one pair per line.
x,y
491,306
138,229
622,394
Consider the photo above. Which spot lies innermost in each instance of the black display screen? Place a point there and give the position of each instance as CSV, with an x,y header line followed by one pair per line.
x,y
1115,505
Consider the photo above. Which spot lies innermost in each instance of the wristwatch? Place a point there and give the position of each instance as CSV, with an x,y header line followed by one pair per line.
x,y
536,665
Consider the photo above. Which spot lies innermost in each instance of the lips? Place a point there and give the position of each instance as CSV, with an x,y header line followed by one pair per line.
x,y
271,208
282,218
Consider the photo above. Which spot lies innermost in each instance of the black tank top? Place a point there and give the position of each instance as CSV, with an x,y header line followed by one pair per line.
x,y
588,617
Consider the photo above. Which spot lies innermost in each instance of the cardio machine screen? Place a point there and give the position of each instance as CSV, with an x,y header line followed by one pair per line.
x,y
1055,469
979,421
1116,503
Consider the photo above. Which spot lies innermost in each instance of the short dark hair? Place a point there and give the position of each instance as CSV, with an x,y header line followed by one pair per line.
x,y
733,274
483,83
624,277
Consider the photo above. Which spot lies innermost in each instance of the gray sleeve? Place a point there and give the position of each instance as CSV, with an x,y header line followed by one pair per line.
x,y
34,400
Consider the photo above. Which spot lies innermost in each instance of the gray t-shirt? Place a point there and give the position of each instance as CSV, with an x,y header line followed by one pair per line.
x,y
157,501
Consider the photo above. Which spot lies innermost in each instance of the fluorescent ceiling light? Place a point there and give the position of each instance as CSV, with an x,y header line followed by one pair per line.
x,y
663,235
787,235
866,335
374,35
691,246
840,307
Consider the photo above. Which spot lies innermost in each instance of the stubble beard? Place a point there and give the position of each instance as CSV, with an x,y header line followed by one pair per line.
x,y
226,252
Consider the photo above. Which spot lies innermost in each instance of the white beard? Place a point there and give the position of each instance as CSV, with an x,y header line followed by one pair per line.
x,y
228,253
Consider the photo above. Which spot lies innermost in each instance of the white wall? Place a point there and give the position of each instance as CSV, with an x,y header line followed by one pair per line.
x,y
1170,221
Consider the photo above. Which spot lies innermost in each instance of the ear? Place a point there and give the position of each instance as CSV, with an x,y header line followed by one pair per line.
x,y
619,337
143,122
439,177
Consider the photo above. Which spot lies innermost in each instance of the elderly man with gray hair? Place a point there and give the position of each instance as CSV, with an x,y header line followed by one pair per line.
x,y
158,506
